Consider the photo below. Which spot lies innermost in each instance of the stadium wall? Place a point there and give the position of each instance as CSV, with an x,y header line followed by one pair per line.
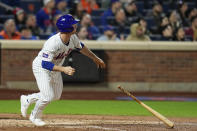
x,y
139,66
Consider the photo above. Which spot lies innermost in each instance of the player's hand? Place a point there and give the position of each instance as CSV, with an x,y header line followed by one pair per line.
x,y
99,63
68,70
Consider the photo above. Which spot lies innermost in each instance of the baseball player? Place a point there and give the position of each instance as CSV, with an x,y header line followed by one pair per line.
x,y
47,67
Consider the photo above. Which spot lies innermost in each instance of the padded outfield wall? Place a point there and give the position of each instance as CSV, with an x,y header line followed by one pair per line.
x,y
139,66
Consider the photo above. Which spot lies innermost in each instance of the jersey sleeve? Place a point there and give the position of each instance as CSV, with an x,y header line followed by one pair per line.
x,y
48,51
77,43
47,55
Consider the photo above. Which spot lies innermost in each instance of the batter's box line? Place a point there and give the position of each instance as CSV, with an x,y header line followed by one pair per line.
x,y
113,122
186,123
85,127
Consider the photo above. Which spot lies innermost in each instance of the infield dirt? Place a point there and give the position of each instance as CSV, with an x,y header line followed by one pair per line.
x,y
14,122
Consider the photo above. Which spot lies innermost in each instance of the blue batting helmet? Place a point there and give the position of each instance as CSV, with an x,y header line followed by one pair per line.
x,y
65,22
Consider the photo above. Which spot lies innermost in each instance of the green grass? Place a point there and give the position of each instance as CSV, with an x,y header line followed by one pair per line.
x,y
131,108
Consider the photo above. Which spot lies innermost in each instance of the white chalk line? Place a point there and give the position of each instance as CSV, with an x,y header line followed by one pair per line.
x,y
186,124
113,122
86,126
105,128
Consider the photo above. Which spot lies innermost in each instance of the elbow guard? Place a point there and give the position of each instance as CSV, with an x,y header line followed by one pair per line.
x,y
47,65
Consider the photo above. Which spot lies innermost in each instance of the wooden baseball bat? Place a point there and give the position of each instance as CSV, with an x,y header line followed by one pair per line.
x,y
155,113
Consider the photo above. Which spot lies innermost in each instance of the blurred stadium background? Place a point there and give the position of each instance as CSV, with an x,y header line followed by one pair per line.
x,y
149,47
152,57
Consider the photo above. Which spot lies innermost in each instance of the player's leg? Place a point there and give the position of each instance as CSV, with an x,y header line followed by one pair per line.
x,y
27,100
49,91
58,84
47,94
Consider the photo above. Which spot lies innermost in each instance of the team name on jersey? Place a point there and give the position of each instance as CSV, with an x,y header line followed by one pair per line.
x,y
63,54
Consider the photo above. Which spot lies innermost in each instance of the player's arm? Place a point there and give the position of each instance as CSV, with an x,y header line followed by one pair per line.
x,y
52,67
90,54
67,70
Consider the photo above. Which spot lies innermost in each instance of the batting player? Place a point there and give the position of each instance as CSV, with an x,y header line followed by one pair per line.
x,y
47,67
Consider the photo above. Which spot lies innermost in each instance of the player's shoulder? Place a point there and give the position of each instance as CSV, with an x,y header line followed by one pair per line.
x,y
74,38
51,39
52,42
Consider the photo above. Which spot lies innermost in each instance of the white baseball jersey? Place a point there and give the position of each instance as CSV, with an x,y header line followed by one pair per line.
x,y
54,50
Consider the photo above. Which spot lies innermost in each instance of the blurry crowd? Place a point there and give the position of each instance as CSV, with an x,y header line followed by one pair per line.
x,y
131,20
